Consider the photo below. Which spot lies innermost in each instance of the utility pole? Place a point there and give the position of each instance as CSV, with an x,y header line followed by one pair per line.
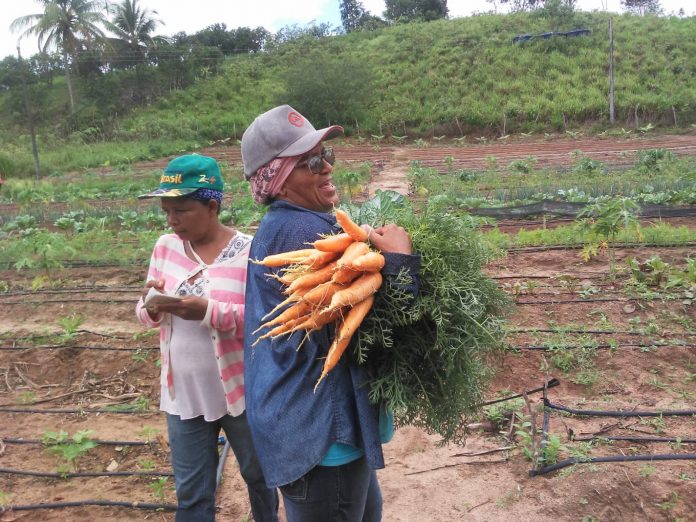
x,y
30,118
611,70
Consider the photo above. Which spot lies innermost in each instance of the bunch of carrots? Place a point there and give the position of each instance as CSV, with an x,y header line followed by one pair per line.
x,y
333,282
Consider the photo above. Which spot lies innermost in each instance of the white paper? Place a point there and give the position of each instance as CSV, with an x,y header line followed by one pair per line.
x,y
155,297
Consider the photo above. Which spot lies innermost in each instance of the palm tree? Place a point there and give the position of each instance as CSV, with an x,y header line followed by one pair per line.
x,y
133,27
64,24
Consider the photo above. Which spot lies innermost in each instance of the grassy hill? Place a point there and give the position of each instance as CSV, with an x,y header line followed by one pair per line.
x,y
455,77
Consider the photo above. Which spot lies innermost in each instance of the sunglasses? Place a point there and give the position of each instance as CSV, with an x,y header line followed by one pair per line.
x,y
316,162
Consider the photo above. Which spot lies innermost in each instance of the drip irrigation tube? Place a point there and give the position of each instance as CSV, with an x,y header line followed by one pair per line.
x,y
573,301
79,503
597,332
47,474
606,346
634,439
43,301
101,410
76,347
551,383
221,464
100,442
610,413
521,250
615,458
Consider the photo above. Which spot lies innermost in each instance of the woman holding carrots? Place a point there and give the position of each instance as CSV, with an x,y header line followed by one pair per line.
x,y
202,380
320,446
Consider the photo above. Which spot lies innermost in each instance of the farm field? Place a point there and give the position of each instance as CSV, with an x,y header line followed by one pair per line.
x,y
618,336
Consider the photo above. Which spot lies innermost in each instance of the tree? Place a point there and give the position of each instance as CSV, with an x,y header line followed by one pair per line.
x,y
133,27
64,24
642,7
342,93
352,11
415,10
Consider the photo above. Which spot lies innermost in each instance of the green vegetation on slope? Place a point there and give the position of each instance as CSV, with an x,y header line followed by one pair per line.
x,y
456,77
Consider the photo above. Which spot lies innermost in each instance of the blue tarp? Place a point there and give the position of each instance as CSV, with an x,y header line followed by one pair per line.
x,y
547,35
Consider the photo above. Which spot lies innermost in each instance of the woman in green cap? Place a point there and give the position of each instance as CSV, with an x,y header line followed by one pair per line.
x,y
202,268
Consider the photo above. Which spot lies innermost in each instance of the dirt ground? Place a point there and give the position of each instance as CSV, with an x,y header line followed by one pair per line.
x,y
648,363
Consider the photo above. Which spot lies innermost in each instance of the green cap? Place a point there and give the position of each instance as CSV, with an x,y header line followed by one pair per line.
x,y
187,174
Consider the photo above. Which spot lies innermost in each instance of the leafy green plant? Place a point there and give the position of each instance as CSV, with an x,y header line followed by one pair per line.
x,y
501,412
607,218
158,486
5,499
69,449
148,433
70,325
146,464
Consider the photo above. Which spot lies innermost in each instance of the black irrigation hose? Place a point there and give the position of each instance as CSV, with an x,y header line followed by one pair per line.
x,y
47,474
628,438
616,458
551,383
77,347
77,411
571,301
79,503
100,442
43,301
521,250
598,332
610,413
76,290
523,276
605,346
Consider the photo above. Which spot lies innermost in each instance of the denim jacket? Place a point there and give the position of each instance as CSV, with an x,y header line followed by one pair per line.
x,y
292,425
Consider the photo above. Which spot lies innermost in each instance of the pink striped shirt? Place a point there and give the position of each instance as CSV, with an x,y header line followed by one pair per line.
x,y
226,281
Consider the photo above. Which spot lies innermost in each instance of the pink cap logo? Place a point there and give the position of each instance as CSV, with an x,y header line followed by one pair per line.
x,y
295,119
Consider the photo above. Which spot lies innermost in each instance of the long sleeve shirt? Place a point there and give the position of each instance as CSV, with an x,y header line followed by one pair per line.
x,y
225,280
292,425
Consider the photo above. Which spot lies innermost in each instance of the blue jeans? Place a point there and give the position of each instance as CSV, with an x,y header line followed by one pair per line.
x,y
348,493
194,454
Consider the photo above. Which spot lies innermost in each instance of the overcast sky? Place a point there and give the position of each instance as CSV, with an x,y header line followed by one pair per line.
x,y
192,16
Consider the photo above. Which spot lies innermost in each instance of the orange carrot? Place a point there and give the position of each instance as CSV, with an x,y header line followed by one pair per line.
x,y
321,295
285,258
370,262
319,259
366,285
317,320
347,328
353,251
311,279
279,330
292,298
345,275
337,243
349,226
297,310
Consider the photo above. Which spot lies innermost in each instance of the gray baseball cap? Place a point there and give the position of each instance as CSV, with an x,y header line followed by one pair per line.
x,y
279,133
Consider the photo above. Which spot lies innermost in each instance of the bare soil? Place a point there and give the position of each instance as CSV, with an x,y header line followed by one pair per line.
x,y
111,361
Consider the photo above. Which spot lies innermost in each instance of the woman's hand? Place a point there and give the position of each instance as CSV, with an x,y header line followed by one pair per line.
x,y
157,284
390,238
190,308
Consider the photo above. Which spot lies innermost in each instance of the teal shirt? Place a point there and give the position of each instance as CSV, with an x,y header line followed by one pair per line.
x,y
340,454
